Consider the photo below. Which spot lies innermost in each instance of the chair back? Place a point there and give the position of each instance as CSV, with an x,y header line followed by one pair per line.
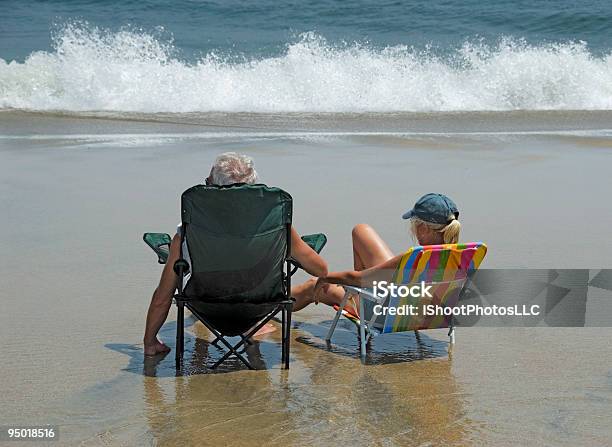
x,y
446,268
238,239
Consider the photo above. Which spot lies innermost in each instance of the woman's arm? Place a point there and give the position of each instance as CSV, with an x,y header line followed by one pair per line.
x,y
362,278
309,259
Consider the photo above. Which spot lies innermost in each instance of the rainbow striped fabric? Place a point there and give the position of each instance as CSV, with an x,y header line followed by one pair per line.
x,y
446,267
439,262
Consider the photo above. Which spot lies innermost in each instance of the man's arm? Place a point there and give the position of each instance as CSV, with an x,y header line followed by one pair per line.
x,y
161,301
309,259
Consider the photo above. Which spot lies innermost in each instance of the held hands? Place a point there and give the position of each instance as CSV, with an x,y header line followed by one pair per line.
x,y
320,288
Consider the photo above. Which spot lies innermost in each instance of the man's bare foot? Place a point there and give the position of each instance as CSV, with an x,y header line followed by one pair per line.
x,y
266,329
157,347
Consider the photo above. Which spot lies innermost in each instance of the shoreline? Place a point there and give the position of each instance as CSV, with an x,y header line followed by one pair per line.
x,y
518,122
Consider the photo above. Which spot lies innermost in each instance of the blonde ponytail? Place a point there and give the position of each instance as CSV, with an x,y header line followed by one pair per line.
x,y
450,232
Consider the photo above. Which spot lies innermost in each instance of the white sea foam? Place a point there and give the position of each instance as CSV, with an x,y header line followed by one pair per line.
x,y
94,70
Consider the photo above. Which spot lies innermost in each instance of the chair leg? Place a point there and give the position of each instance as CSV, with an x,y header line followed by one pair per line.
x,y
245,338
362,336
283,333
232,350
337,317
288,340
180,335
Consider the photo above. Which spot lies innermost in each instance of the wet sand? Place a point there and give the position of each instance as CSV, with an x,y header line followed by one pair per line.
x,y
77,194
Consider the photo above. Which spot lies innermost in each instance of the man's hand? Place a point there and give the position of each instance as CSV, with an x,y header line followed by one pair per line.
x,y
321,287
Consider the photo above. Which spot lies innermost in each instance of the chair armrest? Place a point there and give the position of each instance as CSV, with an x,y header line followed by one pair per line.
x,y
315,241
160,244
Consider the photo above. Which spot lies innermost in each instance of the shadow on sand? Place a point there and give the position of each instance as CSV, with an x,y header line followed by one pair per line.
x,y
264,353
386,349
200,354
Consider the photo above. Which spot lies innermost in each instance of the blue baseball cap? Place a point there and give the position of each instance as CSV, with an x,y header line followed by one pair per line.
x,y
434,208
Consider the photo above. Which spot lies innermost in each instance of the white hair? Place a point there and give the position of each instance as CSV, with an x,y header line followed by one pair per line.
x,y
231,167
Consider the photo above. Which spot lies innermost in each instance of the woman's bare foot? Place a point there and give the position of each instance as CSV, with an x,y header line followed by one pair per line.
x,y
156,347
266,329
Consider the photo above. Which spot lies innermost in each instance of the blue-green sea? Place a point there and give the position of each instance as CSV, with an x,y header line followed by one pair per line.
x,y
152,56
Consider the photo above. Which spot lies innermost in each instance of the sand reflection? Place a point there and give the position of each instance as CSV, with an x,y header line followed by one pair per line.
x,y
327,397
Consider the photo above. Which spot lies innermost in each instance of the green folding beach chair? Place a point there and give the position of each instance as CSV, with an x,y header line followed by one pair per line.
x,y
235,267
446,268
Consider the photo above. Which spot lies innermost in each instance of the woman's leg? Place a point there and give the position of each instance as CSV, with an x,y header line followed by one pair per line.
x,y
304,294
368,250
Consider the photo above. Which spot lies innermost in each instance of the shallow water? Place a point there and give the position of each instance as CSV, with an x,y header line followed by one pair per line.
x,y
77,194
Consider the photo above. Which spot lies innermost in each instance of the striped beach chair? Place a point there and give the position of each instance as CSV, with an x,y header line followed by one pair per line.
x,y
446,268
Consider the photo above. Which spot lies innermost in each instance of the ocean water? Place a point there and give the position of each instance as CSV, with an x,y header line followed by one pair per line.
x,y
152,56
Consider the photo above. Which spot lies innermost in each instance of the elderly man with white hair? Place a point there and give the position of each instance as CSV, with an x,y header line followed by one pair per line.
x,y
229,168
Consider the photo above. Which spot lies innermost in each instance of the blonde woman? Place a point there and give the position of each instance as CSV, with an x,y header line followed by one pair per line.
x,y
434,219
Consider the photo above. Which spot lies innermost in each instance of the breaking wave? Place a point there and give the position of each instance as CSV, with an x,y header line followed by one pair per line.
x,y
91,69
